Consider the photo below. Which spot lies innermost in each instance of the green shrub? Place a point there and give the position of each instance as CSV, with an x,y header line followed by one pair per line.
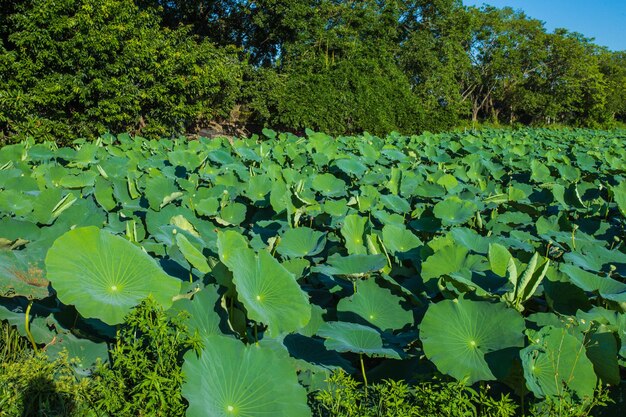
x,y
72,68
346,398
145,370
34,386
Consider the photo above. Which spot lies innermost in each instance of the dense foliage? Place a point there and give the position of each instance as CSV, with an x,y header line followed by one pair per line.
x,y
79,68
494,258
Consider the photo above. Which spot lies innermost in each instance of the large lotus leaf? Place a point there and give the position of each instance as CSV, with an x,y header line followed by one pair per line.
x,y
269,292
453,210
356,338
352,231
300,242
556,361
104,275
374,305
230,379
398,239
605,286
619,194
445,260
466,339
21,276
352,265
329,185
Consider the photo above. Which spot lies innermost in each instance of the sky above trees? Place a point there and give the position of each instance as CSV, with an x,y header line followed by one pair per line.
x,y
603,20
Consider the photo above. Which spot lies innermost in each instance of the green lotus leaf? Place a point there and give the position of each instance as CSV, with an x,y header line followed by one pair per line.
x,y
21,276
352,265
619,194
159,190
86,351
466,339
352,166
300,242
352,231
192,254
556,361
259,186
228,243
607,287
185,158
233,214
269,292
103,192
398,239
81,180
453,210
329,185
540,172
203,317
104,275
375,305
448,181
499,258
356,338
443,262
395,203
230,379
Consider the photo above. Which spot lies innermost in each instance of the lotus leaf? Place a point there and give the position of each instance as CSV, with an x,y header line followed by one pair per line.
x,y
466,339
356,338
269,292
375,305
352,265
21,276
352,231
231,379
556,361
300,242
329,185
453,210
398,239
104,275
619,194
605,286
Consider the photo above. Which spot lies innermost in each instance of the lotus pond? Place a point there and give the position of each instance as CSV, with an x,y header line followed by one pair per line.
x,y
494,256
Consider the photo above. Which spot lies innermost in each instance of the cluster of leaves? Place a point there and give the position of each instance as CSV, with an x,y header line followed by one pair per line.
x,y
298,256
80,68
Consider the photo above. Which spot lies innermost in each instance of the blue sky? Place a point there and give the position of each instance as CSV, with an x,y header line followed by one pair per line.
x,y
604,20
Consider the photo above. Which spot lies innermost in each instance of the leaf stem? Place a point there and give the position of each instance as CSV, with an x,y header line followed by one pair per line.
x,y
363,372
27,326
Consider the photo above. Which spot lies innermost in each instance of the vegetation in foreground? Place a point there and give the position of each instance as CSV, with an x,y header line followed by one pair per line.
x,y
486,267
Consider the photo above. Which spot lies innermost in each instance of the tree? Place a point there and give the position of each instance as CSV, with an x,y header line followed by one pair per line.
x,y
76,68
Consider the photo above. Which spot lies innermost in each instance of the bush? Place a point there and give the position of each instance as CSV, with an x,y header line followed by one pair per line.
x,y
145,371
72,68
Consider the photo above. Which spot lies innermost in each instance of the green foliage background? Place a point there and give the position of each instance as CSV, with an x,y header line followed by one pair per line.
x,y
79,68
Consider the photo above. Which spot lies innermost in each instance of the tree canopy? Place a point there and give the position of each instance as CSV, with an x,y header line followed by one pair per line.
x,y
71,68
